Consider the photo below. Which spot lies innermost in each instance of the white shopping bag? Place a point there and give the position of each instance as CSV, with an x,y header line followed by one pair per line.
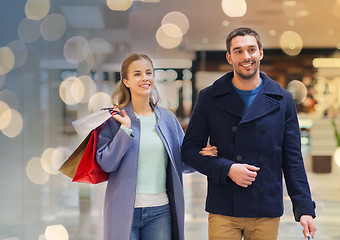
x,y
86,124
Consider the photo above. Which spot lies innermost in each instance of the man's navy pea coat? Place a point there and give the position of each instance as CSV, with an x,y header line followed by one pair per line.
x,y
265,135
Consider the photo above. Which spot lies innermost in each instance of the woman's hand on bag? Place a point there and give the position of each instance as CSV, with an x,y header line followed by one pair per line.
x,y
124,119
209,151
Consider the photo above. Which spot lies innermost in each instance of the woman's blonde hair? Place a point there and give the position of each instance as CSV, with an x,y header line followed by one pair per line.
x,y
122,95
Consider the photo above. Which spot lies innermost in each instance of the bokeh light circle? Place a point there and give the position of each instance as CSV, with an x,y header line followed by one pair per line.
x,y
9,98
100,49
76,49
291,43
119,5
15,127
7,60
46,161
53,27
298,90
71,90
234,8
35,172
56,232
59,156
337,156
90,88
178,19
98,101
169,36
20,52
37,9
5,115
29,30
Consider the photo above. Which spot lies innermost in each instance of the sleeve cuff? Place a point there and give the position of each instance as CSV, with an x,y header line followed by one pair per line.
x,y
127,130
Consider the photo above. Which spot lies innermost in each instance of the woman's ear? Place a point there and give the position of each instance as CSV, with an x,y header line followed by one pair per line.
x,y
126,83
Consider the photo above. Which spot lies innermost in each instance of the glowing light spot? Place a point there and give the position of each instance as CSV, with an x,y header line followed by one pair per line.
x,y
76,49
178,19
7,60
86,66
98,101
71,90
119,5
90,88
272,32
5,115
37,9
56,232
20,52
10,98
226,23
298,90
59,156
35,172
29,30
337,156
291,43
53,27
169,36
100,49
234,8
16,124
46,161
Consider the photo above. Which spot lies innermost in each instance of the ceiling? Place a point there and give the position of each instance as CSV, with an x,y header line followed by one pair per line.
x,y
134,30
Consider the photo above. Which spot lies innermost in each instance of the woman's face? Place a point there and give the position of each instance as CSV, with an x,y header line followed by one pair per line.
x,y
141,79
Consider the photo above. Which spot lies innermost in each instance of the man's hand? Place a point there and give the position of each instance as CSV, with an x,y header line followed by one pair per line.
x,y
307,222
243,174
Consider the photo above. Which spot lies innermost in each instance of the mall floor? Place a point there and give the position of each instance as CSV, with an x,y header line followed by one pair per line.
x,y
78,207
325,189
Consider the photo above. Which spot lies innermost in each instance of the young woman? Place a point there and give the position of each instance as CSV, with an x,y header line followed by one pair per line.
x,y
140,148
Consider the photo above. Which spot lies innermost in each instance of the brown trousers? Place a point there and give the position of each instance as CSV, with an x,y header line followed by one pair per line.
x,y
233,228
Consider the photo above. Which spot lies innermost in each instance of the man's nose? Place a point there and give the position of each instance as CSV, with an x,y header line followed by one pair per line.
x,y
246,55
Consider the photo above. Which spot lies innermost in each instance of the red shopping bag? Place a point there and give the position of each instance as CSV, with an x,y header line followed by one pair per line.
x,y
82,165
88,170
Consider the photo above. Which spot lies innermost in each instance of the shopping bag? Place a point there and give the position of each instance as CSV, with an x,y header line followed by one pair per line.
x,y
88,170
86,124
82,165
70,166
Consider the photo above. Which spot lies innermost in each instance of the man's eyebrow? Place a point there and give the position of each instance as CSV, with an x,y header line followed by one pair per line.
x,y
237,48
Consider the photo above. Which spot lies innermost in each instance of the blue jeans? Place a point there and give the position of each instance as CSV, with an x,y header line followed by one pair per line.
x,y
151,223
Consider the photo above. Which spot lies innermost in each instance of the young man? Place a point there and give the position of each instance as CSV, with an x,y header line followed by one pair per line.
x,y
253,123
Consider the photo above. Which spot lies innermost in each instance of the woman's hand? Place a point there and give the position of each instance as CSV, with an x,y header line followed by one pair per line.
x,y
209,151
124,120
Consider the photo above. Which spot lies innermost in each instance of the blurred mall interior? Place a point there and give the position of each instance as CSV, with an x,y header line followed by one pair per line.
x,y
60,61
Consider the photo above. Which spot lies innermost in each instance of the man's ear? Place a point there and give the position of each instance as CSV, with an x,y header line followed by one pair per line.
x,y
228,57
261,53
126,83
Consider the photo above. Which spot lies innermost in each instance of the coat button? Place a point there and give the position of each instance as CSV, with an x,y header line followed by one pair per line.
x,y
238,158
234,129
217,166
264,127
261,189
261,159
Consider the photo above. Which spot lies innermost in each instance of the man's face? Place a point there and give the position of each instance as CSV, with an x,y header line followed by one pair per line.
x,y
245,56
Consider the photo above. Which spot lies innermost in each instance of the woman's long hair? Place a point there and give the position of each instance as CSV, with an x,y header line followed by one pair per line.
x,y
122,95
